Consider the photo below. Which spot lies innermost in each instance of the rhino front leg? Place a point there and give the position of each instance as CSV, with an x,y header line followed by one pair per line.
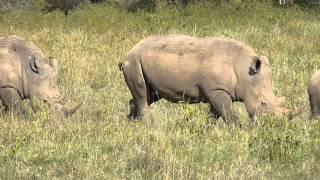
x,y
221,103
213,113
11,100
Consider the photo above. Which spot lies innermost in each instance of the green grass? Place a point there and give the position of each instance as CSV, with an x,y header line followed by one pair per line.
x,y
180,141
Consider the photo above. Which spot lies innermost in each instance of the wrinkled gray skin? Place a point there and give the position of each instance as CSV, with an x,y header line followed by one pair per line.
x,y
214,70
314,94
25,75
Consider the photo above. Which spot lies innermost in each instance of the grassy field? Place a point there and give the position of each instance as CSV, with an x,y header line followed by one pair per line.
x,y
180,142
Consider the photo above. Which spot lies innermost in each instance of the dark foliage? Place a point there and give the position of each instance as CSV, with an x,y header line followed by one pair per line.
x,y
64,5
308,3
6,5
134,5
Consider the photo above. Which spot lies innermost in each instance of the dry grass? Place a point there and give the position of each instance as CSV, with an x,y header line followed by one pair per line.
x,y
180,141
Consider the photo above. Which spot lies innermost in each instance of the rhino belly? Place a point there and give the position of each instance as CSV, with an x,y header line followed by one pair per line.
x,y
173,76
189,94
174,86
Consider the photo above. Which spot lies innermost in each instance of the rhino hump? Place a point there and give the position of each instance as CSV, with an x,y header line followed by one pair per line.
x,y
17,45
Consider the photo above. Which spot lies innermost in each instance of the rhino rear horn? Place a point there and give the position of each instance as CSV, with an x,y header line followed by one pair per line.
x,y
53,63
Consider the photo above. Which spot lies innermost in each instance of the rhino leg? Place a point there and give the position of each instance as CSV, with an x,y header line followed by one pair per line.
x,y
314,102
153,95
11,100
133,109
136,83
213,113
221,102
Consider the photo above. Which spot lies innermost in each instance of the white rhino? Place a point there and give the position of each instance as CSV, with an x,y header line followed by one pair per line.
x,y
214,70
25,75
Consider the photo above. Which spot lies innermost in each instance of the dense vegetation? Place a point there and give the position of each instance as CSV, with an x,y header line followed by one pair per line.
x,y
134,5
179,141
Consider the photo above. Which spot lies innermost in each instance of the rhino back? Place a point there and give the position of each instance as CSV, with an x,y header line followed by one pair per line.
x,y
19,47
177,49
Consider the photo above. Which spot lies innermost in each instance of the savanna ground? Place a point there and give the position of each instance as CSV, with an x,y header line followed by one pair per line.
x,y
180,141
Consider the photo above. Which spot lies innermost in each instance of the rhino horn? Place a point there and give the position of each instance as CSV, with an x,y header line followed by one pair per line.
x,y
69,110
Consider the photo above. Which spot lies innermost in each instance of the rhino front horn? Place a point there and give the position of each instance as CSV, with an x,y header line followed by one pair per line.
x,y
69,110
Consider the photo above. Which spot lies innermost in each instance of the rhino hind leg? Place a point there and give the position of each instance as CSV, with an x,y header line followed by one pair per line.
x,y
221,103
11,100
314,105
133,109
137,86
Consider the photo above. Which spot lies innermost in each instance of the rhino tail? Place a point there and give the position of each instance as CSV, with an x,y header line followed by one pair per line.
x,y
120,65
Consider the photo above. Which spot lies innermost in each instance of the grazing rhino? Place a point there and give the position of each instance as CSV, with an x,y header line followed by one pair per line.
x,y
314,94
25,75
190,69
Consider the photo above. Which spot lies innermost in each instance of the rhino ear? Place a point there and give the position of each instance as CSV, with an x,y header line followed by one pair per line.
x,y
255,66
34,64
53,63
264,59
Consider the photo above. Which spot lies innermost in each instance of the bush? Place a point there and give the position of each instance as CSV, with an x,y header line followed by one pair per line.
x,y
64,5
6,5
309,3
134,5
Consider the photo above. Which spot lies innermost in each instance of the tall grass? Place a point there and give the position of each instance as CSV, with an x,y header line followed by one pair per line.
x,y
179,141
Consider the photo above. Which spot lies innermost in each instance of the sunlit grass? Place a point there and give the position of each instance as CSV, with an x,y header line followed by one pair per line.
x,y
177,141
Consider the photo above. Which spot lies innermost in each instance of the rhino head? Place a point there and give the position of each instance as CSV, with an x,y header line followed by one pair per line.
x,y
41,82
258,95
